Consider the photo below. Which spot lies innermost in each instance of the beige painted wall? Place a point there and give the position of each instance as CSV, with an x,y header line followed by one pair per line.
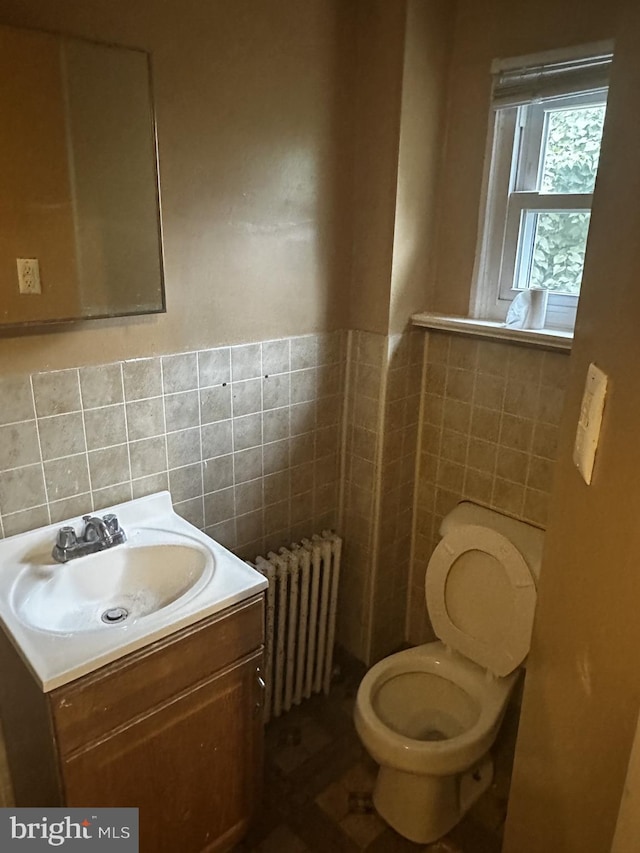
x,y
627,834
286,141
253,107
429,29
403,52
486,29
378,92
583,682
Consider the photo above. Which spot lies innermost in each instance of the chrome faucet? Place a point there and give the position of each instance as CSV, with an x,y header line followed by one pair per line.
x,y
98,535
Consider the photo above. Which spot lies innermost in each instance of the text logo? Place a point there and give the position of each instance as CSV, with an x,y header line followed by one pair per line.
x,y
70,829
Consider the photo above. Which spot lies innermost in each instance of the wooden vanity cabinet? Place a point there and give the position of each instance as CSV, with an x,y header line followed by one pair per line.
x,y
175,730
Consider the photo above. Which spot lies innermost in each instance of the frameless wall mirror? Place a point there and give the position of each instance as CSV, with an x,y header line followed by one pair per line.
x,y
80,232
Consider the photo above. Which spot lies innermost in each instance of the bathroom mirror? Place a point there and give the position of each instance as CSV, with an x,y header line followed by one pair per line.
x,y
80,231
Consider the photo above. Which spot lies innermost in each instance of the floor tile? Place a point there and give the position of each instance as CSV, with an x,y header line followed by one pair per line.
x,y
360,777
363,828
280,840
334,801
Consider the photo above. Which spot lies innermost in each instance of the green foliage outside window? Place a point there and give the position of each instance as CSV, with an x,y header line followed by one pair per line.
x,y
558,251
570,164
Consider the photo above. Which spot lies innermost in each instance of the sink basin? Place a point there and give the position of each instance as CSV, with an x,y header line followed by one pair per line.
x,y
67,620
111,588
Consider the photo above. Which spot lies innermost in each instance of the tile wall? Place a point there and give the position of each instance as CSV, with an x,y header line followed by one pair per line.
x,y
489,431
397,480
382,400
365,360
247,438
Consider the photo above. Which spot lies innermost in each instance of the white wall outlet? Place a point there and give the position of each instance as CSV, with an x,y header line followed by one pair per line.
x,y
28,275
590,421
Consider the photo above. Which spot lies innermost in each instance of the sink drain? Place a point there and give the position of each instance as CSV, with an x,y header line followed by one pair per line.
x,y
114,615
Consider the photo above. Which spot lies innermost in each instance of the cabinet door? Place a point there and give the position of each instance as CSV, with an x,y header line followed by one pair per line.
x,y
93,706
193,767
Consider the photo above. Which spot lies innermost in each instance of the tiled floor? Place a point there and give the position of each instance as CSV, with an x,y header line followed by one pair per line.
x,y
318,784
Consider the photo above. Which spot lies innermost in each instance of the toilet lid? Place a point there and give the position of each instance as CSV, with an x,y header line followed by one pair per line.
x,y
481,597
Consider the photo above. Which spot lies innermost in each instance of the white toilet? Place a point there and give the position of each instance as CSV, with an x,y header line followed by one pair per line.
x,y
429,715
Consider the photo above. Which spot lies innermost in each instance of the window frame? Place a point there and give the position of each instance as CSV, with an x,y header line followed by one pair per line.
x,y
514,157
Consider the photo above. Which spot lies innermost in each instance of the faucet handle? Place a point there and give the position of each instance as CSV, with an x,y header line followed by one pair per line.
x,y
113,526
66,537
111,520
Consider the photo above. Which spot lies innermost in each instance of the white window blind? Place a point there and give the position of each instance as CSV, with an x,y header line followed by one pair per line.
x,y
536,79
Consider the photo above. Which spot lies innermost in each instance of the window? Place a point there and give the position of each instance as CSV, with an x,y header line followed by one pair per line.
x,y
545,145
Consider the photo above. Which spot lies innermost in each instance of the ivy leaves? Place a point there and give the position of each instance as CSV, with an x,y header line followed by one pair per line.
x,y
558,251
570,165
572,150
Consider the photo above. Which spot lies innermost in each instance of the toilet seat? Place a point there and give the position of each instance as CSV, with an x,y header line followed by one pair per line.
x,y
482,607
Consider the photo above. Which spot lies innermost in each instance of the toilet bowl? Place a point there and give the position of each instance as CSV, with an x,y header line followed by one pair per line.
x,y
429,715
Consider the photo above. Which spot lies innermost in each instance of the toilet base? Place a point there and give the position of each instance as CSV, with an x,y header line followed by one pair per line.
x,y
424,808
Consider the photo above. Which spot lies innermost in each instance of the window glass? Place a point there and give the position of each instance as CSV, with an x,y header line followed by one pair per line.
x,y
549,113
559,244
572,149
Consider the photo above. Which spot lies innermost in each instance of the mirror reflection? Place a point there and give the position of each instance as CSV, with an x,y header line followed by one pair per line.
x,y
80,233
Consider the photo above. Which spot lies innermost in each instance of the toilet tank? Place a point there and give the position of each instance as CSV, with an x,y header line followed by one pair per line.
x,y
528,539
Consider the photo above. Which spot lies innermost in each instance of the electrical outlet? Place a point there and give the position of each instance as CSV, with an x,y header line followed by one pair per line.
x,y
28,275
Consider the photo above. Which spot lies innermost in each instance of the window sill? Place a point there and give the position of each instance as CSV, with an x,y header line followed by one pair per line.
x,y
550,339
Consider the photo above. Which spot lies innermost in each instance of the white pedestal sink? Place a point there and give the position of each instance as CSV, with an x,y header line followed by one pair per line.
x,y
69,619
